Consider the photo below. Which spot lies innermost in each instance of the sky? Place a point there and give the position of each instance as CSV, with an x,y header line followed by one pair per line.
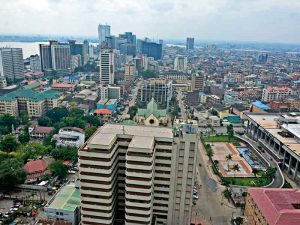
x,y
229,20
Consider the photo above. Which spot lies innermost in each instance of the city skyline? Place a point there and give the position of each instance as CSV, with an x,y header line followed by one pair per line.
x,y
228,20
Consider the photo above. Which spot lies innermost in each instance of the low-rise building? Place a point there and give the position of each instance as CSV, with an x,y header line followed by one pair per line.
x,y
39,132
35,169
70,137
103,114
63,87
276,93
272,206
110,104
65,205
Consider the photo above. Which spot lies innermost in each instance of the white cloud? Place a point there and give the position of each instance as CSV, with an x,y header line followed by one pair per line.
x,y
261,20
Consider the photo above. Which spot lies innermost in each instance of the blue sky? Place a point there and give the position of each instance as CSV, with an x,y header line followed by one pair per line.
x,y
241,20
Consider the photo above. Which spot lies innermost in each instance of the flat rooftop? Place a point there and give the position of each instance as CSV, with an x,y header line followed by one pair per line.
x,y
293,128
294,147
142,142
68,198
264,120
105,134
285,140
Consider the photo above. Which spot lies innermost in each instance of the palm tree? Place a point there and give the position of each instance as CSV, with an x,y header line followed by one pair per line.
x,y
228,158
236,167
255,171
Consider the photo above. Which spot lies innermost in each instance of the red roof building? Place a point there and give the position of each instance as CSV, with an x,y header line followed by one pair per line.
x,y
272,206
35,169
103,111
63,87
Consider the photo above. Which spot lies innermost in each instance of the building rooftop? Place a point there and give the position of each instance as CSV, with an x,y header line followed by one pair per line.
x,y
35,166
30,95
285,140
63,85
293,128
68,198
103,111
278,206
152,109
260,105
142,142
265,120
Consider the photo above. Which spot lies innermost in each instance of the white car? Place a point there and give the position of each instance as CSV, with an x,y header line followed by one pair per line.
x,y
195,196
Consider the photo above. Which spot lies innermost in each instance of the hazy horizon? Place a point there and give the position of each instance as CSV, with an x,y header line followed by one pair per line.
x,y
264,21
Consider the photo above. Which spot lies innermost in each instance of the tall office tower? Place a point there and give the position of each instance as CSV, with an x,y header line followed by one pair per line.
x,y
107,66
112,41
151,49
85,52
190,43
129,37
35,63
103,31
76,61
91,51
180,63
128,49
138,175
198,81
138,62
61,57
46,58
161,41
80,49
263,58
11,64
129,74
158,88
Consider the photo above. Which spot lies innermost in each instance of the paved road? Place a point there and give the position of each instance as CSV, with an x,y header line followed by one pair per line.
x,y
211,204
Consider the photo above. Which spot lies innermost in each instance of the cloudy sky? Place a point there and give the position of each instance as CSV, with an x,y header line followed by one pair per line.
x,y
242,20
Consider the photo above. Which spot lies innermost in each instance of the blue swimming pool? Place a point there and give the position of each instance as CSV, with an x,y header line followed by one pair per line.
x,y
250,158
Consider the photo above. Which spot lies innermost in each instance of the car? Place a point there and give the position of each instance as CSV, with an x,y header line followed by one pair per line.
x,y
195,196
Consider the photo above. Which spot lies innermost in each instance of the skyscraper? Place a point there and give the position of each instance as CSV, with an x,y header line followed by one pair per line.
x,y
129,72
107,66
190,43
103,31
61,57
198,81
11,64
151,49
46,58
180,63
138,175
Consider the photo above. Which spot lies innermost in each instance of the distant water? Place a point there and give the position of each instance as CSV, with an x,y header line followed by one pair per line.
x,y
29,48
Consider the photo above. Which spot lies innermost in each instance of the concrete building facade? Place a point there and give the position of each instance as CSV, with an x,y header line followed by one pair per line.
x,y
107,66
11,64
137,175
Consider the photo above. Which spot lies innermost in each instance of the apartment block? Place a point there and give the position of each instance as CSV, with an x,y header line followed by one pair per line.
x,y
276,93
35,103
137,175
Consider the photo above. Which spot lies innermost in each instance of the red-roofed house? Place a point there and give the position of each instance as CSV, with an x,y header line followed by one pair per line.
x,y
103,114
35,169
63,87
272,206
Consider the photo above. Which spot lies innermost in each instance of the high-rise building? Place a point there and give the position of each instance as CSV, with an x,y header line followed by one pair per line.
x,y
158,88
129,37
107,66
11,64
103,32
138,175
129,74
151,49
180,63
61,57
35,63
263,58
76,61
190,43
46,58
198,81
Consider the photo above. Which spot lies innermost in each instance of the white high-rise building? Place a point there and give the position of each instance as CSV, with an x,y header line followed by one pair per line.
x,y
180,63
103,31
11,64
61,57
129,73
138,175
107,66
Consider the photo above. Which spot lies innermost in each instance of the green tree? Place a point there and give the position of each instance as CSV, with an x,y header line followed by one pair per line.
x,y
55,153
132,111
8,143
75,112
210,153
33,150
57,114
149,74
230,131
59,169
228,159
74,122
271,172
6,122
93,120
11,173
65,153
24,116
89,131
24,137
44,121
255,171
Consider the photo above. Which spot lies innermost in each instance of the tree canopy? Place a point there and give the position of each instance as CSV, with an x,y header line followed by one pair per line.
x,y
11,173
149,74
6,122
59,169
8,143
33,150
57,114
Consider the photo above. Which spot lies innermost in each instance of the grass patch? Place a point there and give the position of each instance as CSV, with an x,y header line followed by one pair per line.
x,y
222,138
247,181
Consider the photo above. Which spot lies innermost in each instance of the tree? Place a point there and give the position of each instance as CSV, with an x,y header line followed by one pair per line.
x,y
11,173
76,112
255,171
132,111
230,131
6,123
24,116
55,153
74,122
59,169
44,121
228,158
33,150
236,167
65,153
89,131
271,172
8,143
149,74
210,153
24,137
93,120
57,114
